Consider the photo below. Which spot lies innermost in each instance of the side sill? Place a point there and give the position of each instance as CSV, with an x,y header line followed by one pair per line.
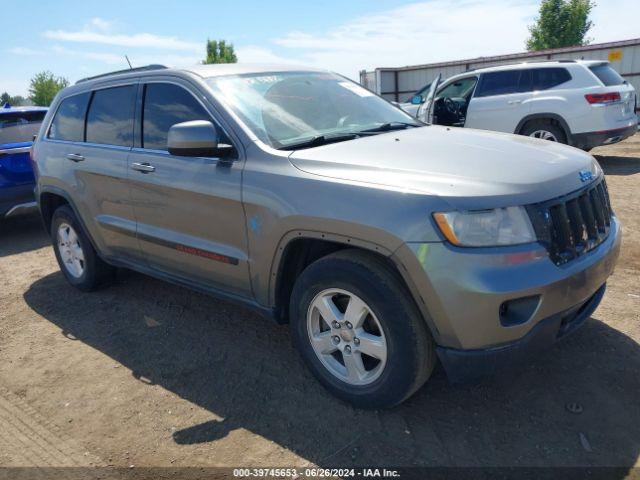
x,y
248,303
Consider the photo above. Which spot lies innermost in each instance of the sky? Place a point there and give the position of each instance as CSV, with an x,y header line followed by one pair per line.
x,y
75,39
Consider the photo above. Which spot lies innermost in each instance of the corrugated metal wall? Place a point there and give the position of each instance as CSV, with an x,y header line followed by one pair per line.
x,y
399,83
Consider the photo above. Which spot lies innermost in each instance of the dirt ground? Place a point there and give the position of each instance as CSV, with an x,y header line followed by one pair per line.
x,y
148,374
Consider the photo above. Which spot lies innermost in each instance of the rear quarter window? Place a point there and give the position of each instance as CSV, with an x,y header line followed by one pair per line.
x,y
546,78
607,75
68,122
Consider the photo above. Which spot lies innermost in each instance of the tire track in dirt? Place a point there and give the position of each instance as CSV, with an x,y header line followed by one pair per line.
x,y
28,439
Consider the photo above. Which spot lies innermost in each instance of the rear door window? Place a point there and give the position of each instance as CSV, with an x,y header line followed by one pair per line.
x,y
110,117
607,75
68,122
524,84
546,78
499,83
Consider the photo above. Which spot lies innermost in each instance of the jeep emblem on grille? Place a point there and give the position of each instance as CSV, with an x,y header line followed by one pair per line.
x,y
585,175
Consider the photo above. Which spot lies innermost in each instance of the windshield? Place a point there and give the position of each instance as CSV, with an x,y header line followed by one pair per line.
x,y
286,108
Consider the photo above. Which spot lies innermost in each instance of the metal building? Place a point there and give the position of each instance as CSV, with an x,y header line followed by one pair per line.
x,y
398,84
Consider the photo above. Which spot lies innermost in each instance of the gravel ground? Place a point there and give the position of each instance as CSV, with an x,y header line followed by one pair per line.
x,y
148,374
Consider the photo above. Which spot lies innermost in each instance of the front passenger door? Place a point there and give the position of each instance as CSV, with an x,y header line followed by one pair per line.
x,y
190,219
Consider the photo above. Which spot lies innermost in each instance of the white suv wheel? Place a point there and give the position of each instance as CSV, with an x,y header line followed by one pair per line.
x,y
544,135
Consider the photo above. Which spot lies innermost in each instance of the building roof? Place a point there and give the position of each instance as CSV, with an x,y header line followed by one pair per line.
x,y
519,56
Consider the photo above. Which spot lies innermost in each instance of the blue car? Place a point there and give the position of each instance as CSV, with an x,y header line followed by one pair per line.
x,y
18,125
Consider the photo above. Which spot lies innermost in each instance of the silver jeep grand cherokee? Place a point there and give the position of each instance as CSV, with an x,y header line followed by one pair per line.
x,y
385,243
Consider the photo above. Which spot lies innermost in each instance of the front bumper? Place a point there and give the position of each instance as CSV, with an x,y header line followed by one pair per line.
x,y
461,290
465,365
590,140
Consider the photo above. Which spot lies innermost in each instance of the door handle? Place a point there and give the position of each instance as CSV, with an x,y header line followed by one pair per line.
x,y
143,167
74,157
514,102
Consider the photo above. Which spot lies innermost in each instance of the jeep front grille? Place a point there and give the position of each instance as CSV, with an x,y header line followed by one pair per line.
x,y
574,224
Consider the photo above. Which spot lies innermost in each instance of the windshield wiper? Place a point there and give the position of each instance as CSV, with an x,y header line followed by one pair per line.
x,y
387,127
319,140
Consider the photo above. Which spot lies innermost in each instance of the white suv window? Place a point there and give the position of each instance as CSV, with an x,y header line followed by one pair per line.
x,y
504,82
546,78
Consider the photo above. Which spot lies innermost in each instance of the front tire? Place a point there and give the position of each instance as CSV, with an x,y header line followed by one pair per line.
x,y
359,331
78,260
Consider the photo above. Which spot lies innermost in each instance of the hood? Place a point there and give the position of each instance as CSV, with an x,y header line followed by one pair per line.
x,y
467,168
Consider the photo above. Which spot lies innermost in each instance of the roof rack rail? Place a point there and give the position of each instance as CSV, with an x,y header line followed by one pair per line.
x,y
122,72
521,63
551,60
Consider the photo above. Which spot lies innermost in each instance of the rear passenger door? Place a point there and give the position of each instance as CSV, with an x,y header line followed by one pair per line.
x,y
189,209
500,101
96,129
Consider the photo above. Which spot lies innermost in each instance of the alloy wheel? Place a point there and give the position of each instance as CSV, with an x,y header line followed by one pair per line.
x,y
70,250
544,135
346,336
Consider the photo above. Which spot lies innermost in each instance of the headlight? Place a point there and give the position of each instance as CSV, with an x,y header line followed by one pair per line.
x,y
486,228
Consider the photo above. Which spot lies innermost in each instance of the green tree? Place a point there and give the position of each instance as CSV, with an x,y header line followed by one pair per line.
x,y
44,87
17,100
220,52
561,23
4,98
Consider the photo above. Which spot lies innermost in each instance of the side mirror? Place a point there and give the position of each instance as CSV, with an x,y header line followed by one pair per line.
x,y
417,100
198,138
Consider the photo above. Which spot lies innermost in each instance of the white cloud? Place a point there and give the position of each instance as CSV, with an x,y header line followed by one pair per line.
x,y
101,24
438,30
421,32
170,60
108,58
24,51
257,54
99,31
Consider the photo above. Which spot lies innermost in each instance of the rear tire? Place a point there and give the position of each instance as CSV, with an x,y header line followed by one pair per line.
x,y
78,260
383,338
544,130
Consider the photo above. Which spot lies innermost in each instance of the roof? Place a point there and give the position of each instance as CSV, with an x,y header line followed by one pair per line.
x,y
10,109
520,56
206,71
540,64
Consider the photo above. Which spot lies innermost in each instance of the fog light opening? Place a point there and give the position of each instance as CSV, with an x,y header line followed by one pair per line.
x,y
518,310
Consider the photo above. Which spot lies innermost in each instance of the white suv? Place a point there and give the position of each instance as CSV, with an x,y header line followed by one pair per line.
x,y
580,103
